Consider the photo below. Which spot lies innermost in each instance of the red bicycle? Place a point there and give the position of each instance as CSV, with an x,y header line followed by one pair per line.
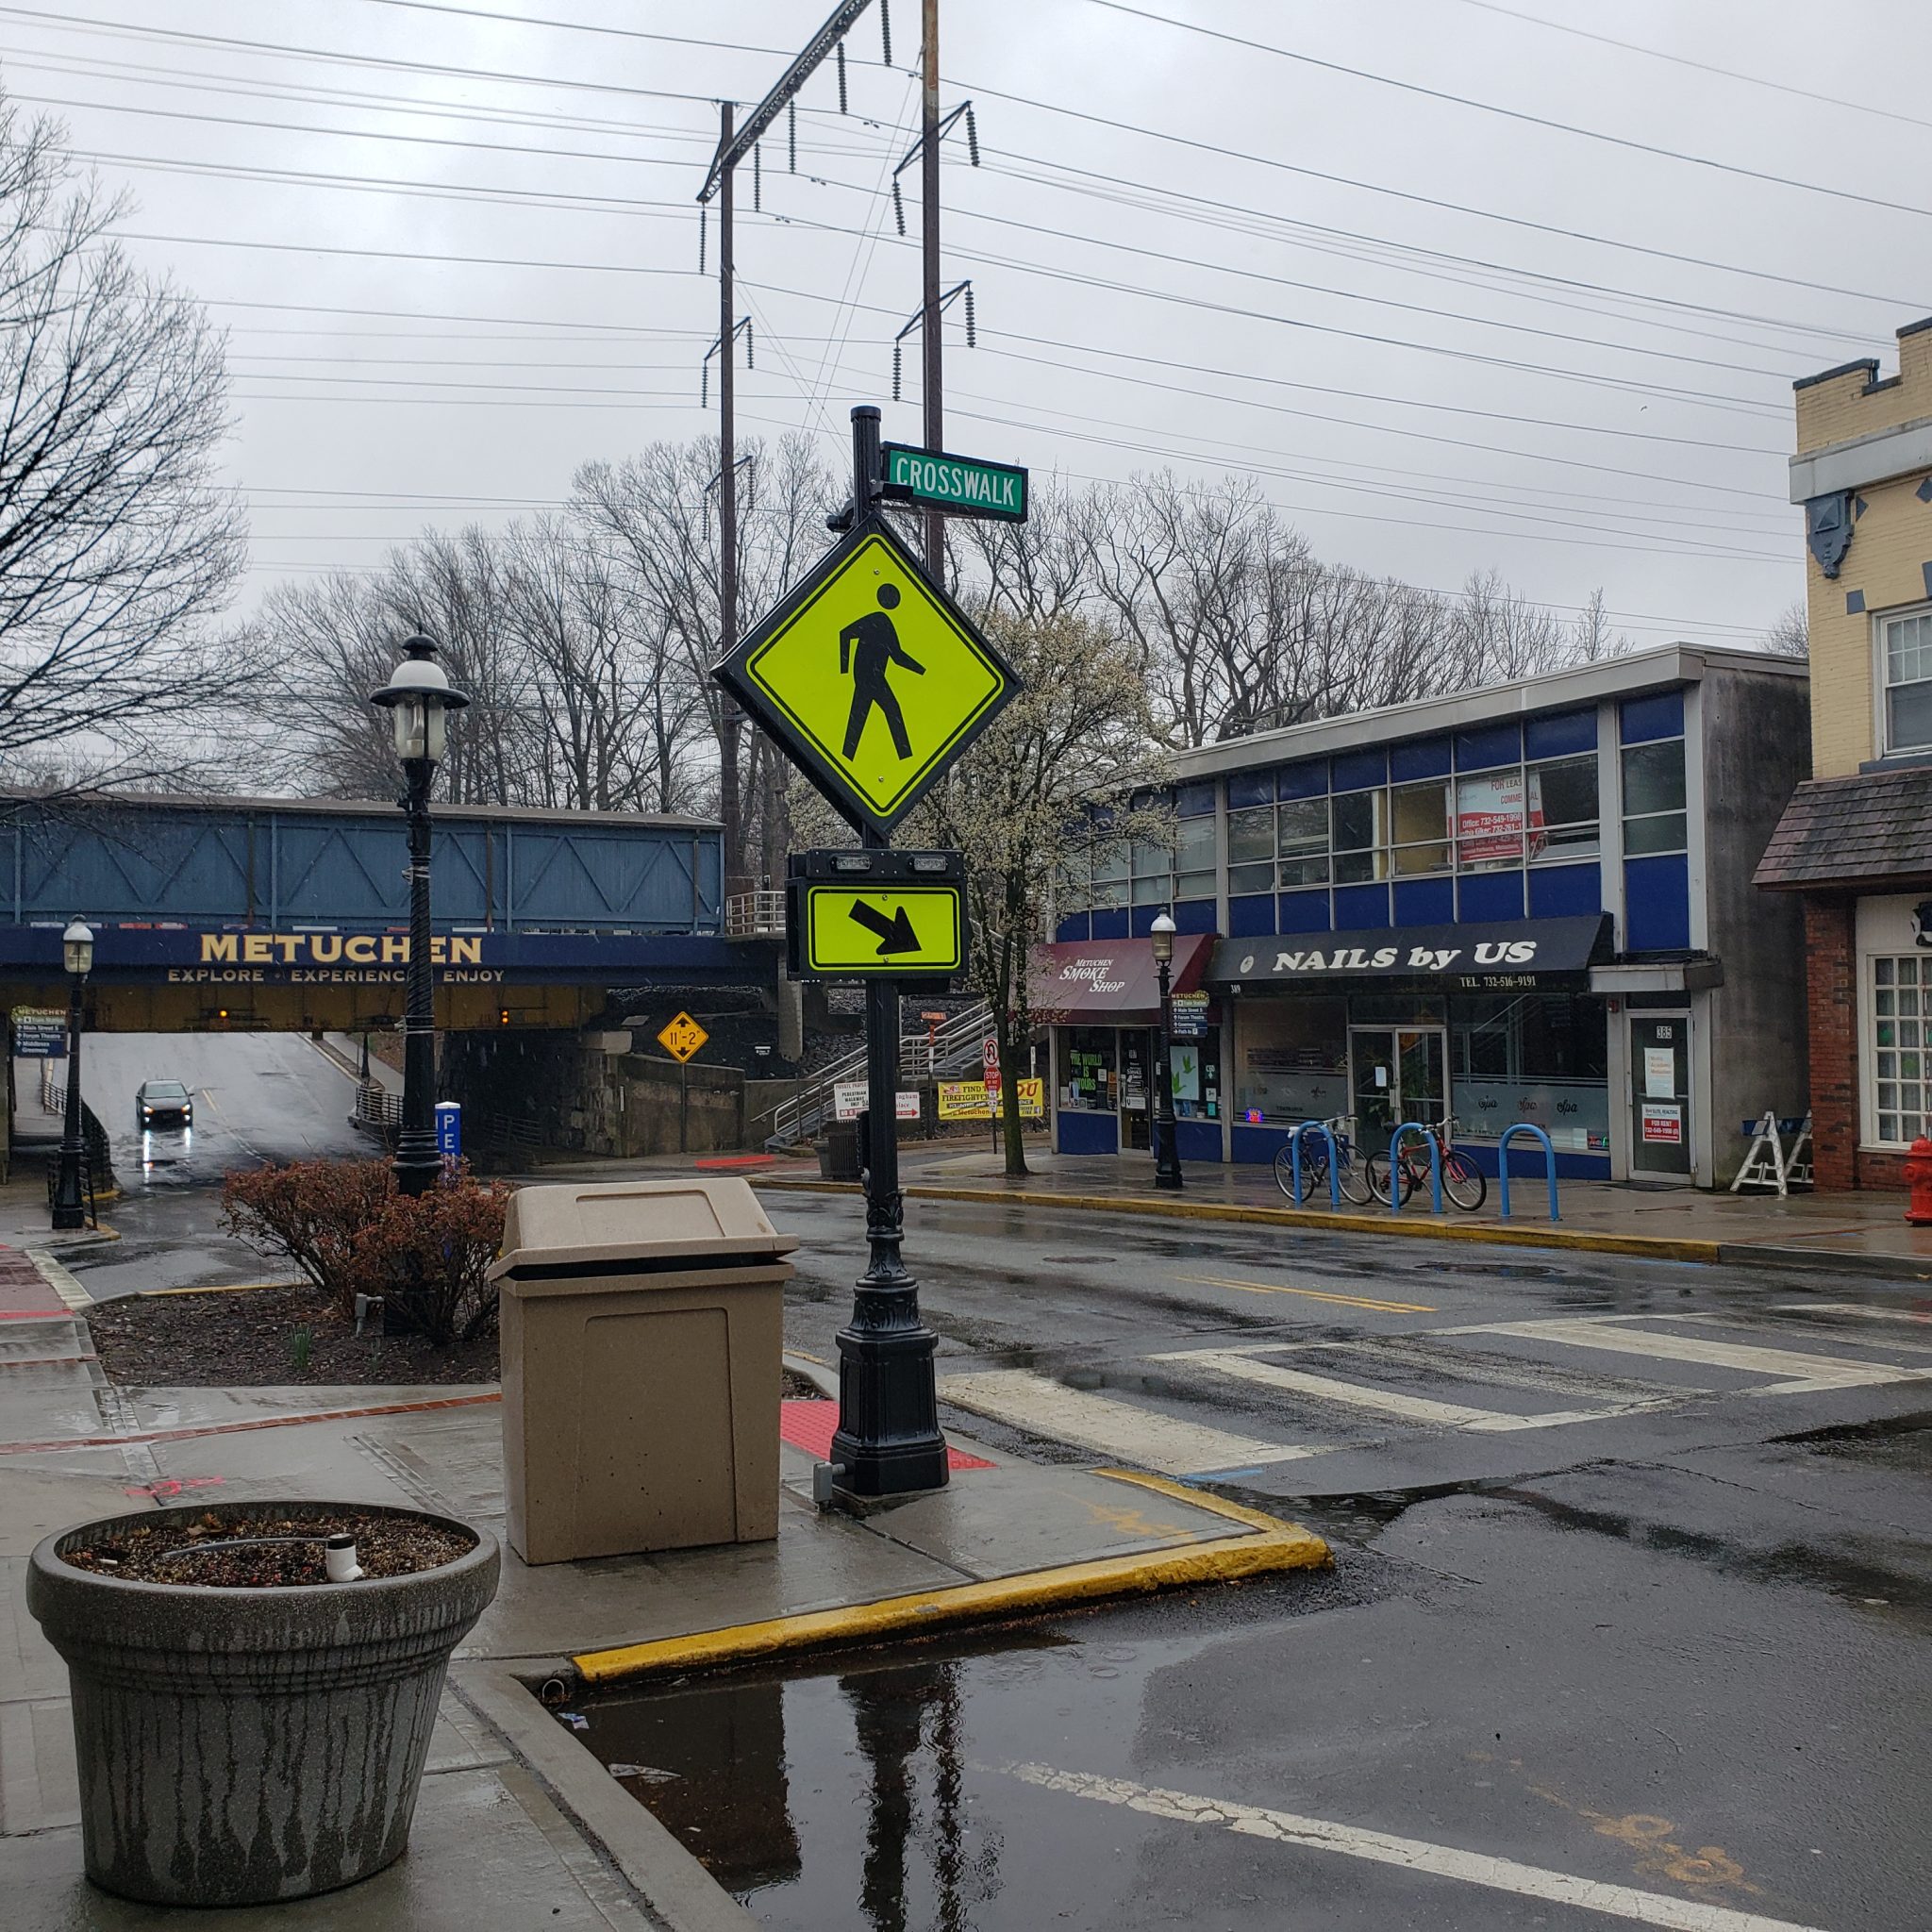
x,y
1462,1179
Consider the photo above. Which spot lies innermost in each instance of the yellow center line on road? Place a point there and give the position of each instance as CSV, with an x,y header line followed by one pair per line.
x,y
1313,1295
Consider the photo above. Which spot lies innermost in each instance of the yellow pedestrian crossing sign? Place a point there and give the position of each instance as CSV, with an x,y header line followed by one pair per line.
x,y
870,677
682,1038
909,930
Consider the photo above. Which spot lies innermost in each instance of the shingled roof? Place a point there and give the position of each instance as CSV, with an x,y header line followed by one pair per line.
x,y
1875,827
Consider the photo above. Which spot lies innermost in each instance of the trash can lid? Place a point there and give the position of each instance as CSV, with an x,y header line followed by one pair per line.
x,y
699,1219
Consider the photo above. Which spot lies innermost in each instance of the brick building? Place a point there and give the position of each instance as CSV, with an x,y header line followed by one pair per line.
x,y
1856,841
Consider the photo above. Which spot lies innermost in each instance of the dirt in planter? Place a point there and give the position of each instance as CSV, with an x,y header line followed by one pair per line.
x,y
385,1546
266,1336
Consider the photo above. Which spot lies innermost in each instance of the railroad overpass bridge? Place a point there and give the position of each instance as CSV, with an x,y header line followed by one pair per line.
x,y
244,913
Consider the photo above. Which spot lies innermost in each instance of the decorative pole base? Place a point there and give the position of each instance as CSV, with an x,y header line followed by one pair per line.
x,y
889,1438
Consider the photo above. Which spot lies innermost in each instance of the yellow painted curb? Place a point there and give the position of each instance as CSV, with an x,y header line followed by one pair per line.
x,y
1417,1226
1275,1546
221,1288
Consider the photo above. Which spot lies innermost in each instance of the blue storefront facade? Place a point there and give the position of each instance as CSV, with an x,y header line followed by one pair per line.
x,y
1527,903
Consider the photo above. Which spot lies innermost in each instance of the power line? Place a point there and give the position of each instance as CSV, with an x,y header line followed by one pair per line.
x,y
598,268
1411,87
1864,110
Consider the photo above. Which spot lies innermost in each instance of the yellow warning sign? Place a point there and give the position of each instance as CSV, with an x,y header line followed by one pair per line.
x,y
850,929
871,679
682,1037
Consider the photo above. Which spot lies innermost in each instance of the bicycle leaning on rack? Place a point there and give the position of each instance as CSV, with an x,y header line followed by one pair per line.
x,y
1350,1176
1462,1179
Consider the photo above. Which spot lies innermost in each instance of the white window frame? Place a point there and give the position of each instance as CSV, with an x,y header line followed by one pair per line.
x,y
1869,1049
1881,685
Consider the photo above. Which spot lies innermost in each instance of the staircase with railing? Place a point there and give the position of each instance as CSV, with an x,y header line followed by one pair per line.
x,y
949,1049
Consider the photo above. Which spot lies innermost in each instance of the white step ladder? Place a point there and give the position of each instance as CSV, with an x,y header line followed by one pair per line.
x,y
1771,1163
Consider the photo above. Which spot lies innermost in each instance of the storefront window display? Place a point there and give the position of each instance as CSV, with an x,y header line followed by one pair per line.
x,y
1088,1077
1290,1059
1194,1065
1540,1057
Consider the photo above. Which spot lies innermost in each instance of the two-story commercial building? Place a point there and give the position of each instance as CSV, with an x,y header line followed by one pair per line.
x,y
1855,845
1527,903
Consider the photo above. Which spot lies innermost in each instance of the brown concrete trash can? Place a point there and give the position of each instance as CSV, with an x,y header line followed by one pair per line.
x,y
642,1329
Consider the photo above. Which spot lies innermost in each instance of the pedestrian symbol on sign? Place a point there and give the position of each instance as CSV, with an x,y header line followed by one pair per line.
x,y
868,647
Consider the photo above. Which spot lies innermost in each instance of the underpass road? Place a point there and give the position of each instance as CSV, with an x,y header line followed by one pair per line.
x,y
1633,1582
258,1097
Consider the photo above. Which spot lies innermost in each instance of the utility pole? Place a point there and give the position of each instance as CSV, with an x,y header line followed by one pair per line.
x,y
929,250
730,806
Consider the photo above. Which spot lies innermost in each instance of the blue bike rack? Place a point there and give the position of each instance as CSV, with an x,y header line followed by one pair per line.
x,y
1294,1160
1435,1165
1503,1162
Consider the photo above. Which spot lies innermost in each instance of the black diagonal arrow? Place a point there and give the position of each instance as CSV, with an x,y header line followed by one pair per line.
x,y
895,934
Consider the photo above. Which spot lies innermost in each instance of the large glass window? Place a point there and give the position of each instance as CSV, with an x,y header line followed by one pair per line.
x,y
1542,1057
1194,859
1291,1058
1251,850
1909,682
1563,809
1153,873
1086,1070
1490,820
1419,823
1654,819
1360,831
1899,1083
1303,842
1110,873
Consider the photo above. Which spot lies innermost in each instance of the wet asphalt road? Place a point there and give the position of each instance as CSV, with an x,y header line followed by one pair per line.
x,y
1638,1594
258,1097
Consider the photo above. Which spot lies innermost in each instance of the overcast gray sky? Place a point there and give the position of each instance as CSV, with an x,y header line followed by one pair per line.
x,y
455,248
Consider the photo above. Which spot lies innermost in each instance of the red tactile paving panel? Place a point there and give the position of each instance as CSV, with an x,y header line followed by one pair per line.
x,y
808,1426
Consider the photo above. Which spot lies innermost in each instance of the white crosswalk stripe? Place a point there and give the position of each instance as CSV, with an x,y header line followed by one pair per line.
x,y
1802,1375
1245,1365
1156,1439
1025,1401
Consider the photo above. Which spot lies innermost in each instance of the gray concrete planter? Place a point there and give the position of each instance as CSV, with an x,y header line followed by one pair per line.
x,y
242,1746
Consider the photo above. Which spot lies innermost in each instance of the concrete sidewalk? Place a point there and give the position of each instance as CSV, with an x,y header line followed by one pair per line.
x,y
1862,1233
518,1822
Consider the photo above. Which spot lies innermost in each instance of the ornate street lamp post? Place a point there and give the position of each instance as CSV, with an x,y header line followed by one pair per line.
x,y
419,698
1167,1153
77,953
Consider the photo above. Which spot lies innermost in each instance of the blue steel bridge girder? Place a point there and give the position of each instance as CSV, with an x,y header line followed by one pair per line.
x,y
271,863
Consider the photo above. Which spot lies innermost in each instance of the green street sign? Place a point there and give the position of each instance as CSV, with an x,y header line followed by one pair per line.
x,y
960,486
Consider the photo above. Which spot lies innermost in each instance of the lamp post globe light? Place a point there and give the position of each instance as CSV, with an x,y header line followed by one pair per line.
x,y
77,956
1167,1153
419,698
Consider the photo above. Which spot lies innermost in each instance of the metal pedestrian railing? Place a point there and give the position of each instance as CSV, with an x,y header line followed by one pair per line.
x,y
755,915
922,1057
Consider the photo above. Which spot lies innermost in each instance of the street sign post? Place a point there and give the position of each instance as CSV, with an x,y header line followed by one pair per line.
x,y
870,677
681,1038
960,486
852,915
873,682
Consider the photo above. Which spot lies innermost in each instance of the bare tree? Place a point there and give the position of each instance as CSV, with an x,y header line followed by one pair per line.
x,y
117,549
1790,636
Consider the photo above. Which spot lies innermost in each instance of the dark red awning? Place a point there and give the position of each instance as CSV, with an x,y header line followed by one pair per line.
x,y
1110,982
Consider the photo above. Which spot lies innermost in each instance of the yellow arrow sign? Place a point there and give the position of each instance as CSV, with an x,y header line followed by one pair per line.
x,y
850,930
870,677
682,1037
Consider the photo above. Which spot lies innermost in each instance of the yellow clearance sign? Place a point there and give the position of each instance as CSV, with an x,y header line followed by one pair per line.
x,y
849,929
682,1037
871,679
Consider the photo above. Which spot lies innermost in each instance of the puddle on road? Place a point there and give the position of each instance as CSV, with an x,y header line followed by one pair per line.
x,y
865,1790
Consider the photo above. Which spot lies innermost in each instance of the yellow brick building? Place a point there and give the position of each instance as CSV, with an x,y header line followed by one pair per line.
x,y
1857,840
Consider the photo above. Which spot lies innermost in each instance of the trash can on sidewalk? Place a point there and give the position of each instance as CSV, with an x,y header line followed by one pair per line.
x,y
839,1151
641,1335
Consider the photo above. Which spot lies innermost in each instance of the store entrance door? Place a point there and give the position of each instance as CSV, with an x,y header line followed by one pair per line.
x,y
1137,1055
1660,1094
1396,1074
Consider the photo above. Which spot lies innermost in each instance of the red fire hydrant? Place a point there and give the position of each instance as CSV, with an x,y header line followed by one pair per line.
x,y
1919,1178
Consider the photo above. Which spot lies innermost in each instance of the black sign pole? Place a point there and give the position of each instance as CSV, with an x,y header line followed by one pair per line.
x,y
887,1443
